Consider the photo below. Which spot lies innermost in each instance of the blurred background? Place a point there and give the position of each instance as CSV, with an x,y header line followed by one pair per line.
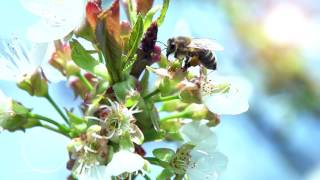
x,y
273,44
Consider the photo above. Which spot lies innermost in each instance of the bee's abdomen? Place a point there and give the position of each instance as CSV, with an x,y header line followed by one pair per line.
x,y
208,59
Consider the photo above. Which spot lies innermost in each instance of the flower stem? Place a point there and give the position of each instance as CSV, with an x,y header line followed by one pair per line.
x,y
51,121
174,116
155,92
168,98
54,130
158,162
51,101
85,81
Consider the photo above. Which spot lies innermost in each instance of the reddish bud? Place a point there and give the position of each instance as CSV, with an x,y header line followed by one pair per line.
x,y
125,27
93,9
143,6
149,40
156,54
139,150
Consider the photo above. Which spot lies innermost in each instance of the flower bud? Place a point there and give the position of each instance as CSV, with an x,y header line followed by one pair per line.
x,y
61,60
125,28
196,111
35,84
14,116
173,105
145,51
140,6
78,87
93,9
143,6
149,40
156,54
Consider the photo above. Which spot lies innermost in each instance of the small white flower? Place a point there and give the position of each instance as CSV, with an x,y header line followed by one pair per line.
x,y
122,162
225,94
125,162
119,121
204,162
58,18
18,59
95,173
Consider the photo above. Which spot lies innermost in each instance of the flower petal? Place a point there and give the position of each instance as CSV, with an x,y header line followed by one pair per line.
x,y
207,145
58,18
95,173
233,101
195,132
46,31
207,167
125,161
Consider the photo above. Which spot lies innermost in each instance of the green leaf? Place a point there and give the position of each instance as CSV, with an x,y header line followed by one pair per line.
x,y
163,154
78,125
166,174
154,115
84,60
149,17
112,51
85,32
134,40
121,89
145,83
126,143
163,12
132,12
74,118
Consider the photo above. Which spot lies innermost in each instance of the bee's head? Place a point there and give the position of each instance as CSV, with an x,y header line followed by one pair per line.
x,y
171,46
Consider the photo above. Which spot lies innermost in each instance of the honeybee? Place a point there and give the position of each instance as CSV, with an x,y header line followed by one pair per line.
x,y
194,51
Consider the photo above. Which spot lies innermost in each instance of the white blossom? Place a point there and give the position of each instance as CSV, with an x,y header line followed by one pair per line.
x,y
225,95
205,162
122,162
19,58
119,121
57,18
125,162
95,173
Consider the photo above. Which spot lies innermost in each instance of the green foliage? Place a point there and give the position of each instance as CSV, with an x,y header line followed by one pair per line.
x,y
165,174
134,41
132,12
78,124
84,60
149,17
111,50
18,119
163,154
122,89
163,12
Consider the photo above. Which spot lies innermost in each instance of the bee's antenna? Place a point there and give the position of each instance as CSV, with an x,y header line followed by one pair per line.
x,y
162,43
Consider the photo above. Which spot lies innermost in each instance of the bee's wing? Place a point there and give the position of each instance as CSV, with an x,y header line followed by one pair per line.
x,y
209,44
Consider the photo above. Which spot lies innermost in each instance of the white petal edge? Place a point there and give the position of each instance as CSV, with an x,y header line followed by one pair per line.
x,y
125,161
232,103
195,132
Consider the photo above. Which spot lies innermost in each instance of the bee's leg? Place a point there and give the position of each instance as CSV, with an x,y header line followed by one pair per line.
x,y
187,63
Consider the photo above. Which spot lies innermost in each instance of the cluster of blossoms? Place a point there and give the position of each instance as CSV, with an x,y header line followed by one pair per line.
x,y
109,64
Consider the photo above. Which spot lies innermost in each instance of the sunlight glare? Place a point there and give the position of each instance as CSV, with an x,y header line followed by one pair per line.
x,y
286,24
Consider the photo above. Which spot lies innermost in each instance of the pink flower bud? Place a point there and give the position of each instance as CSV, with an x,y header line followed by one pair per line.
x,y
156,54
93,9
